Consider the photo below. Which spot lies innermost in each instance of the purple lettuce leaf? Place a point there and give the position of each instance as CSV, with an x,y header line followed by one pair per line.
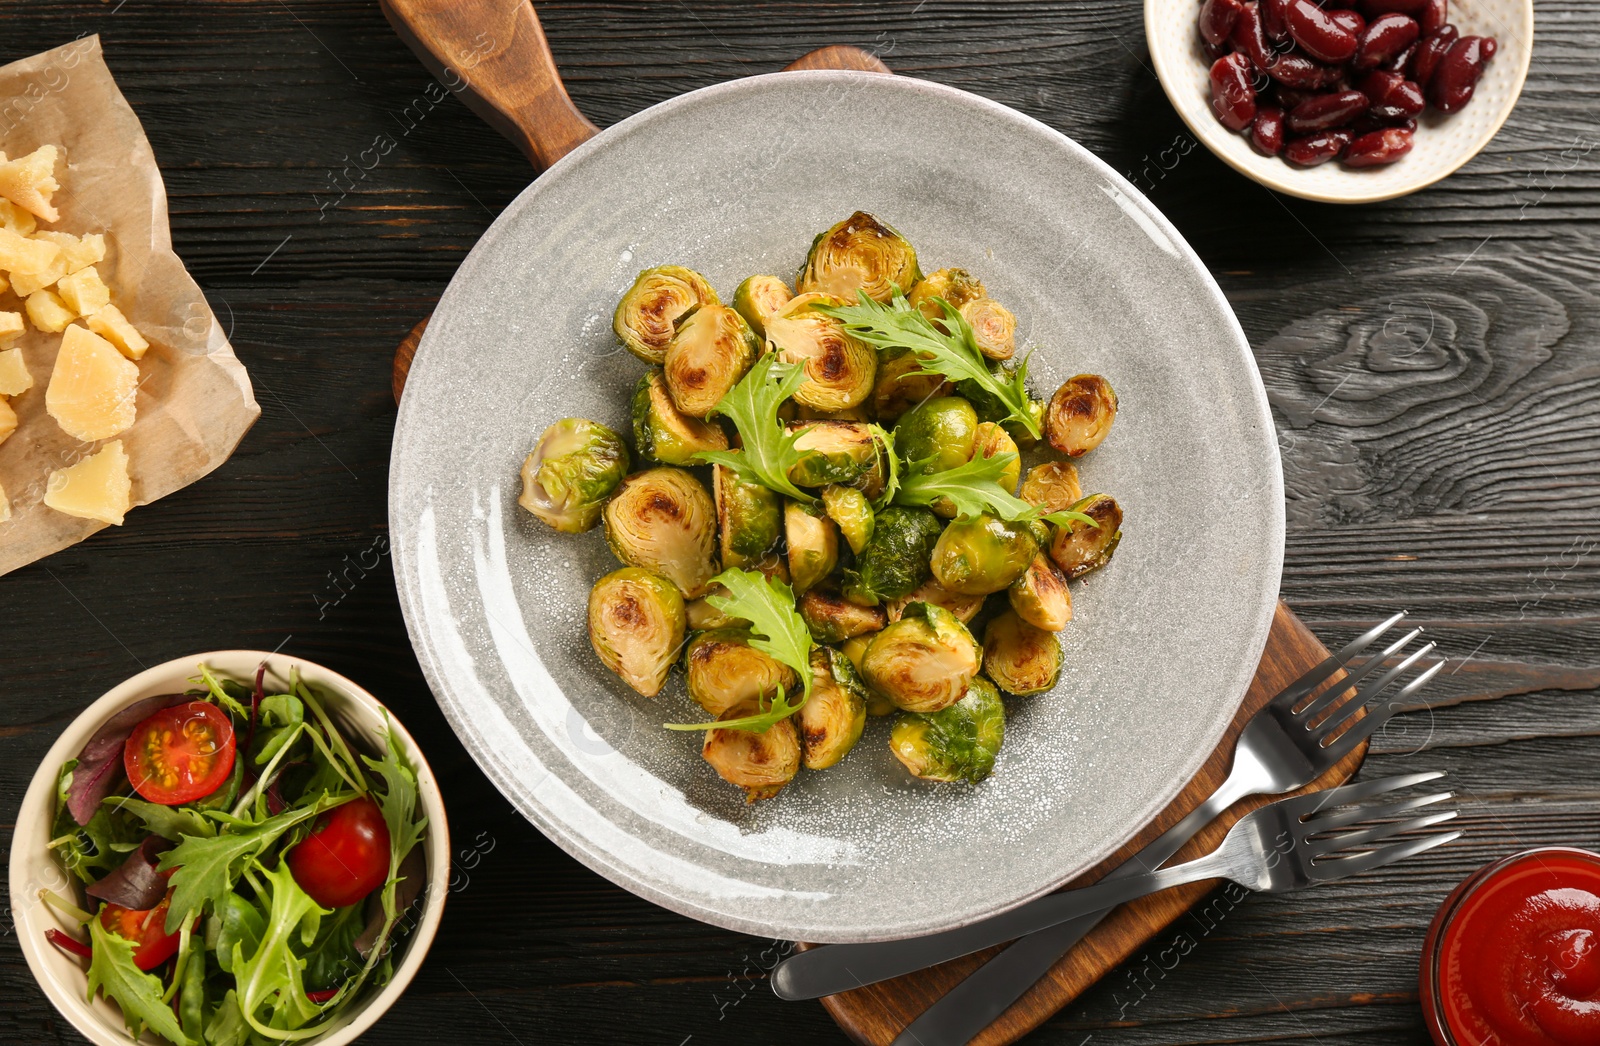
x,y
135,884
101,758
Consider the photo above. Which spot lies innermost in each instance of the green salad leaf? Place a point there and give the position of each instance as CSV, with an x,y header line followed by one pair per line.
x,y
777,630
952,352
398,802
270,977
112,972
169,822
767,451
974,488
333,956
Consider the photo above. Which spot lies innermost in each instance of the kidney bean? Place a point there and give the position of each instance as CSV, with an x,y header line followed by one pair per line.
x,y
1217,18
1490,46
1289,97
1350,21
1274,15
1433,16
1371,120
1327,111
1297,70
1266,131
1250,38
1385,36
1379,147
1374,8
1232,97
1392,91
1318,34
1429,52
1402,61
1457,74
1316,148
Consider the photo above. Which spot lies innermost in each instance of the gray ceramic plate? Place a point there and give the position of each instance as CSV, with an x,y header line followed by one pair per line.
x,y
737,179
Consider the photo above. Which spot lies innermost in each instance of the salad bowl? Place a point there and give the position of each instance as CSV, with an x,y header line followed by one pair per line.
x,y
34,867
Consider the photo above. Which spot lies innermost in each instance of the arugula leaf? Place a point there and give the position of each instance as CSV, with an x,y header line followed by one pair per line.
x,y
169,822
954,354
226,1026
777,631
767,450
235,921
219,692
270,976
974,488
891,484
399,805
112,972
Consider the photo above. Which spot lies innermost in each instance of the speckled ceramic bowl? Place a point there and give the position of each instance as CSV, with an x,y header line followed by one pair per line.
x,y
33,866
1443,142
738,179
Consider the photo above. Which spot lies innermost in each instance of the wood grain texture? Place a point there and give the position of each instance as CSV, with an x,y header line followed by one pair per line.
x,y
1465,490
877,1014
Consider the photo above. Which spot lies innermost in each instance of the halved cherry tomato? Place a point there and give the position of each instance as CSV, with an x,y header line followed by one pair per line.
x,y
345,857
180,754
147,929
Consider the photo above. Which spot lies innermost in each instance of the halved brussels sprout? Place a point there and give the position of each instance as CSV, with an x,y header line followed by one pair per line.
x,y
855,648
832,618
758,297
841,452
991,441
650,310
859,254
710,352
956,286
663,520
965,608
1080,414
981,555
760,763
1052,486
1041,597
749,520
895,560
636,622
664,435
850,509
840,371
857,413
703,617
994,327
573,469
832,719
1079,548
924,661
959,743
902,384
813,542
1020,658
724,671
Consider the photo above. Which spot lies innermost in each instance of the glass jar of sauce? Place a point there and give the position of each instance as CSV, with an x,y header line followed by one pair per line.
x,y
1513,957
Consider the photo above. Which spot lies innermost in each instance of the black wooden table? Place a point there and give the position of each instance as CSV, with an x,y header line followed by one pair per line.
x,y
1434,363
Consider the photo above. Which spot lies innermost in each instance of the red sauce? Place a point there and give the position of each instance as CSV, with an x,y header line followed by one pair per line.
x,y
1518,961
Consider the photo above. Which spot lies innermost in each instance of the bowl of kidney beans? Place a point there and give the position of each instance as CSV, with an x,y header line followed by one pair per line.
x,y
1333,99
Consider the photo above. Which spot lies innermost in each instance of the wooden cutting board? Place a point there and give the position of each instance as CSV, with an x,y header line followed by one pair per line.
x,y
876,1014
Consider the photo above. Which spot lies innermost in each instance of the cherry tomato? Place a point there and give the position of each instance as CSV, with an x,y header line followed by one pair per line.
x,y
345,857
147,929
180,754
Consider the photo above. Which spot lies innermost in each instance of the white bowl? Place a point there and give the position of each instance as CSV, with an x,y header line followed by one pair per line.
x,y
33,866
1444,141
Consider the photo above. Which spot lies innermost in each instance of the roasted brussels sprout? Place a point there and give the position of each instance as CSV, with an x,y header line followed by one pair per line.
x,y
573,469
724,671
710,352
663,520
1040,596
992,441
760,763
749,520
649,312
832,618
841,452
924,661
857,413
1080,414
662,434
902,384
958,743
703,617
956,286
965,608
895,560
758,297
994,327
859,254
855,648
981,555
636,621
813,542
939,433
1020,658
850,509
832,719
840,371
1079,548
1052,486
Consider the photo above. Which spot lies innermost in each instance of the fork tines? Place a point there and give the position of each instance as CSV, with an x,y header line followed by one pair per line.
x,y
1338,853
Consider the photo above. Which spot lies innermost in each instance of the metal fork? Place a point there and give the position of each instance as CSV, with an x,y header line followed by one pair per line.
x,y
1286,845
1282,748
